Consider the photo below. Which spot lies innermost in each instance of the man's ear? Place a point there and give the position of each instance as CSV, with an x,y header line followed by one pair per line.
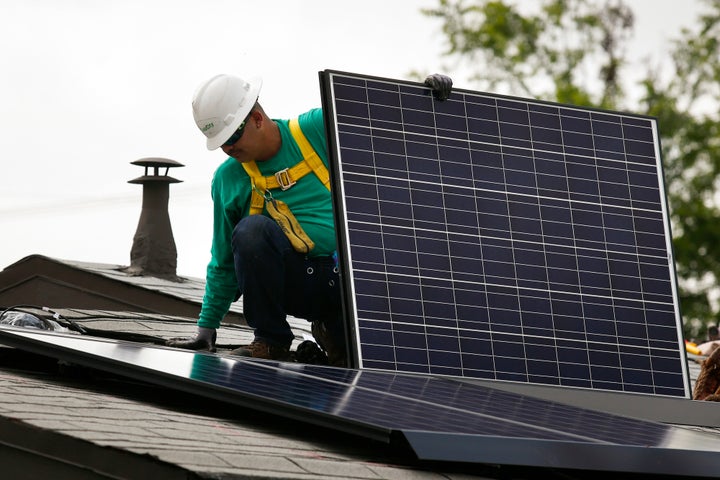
x,y
256,117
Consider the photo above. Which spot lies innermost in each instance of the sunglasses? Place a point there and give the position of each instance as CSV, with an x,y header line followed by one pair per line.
x,y
238,133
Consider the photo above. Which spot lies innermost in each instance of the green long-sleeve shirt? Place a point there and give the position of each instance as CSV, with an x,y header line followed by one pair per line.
x,y
309,201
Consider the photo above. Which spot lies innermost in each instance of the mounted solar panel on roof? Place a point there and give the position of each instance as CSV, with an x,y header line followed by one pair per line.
x,y
437,419
502,238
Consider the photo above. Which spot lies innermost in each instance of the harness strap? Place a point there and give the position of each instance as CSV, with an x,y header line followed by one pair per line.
x,y
257,200
287,177
309,155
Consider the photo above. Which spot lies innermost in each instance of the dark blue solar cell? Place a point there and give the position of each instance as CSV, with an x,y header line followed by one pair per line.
x,y
648,196
607,127
388,145
508,103
612,176
526,225
452,122
486,154
647,180
547,120
531,272
417,103
517,159
574,124
615,194
552,213
409,307
387,113
417,117
458,172
609,144
519,178
638,148
450,107
580,168
356,141
608,358
459,199
476,107
584,186
643,134
353,109
582,140
364,206
434,294
510,131
396,198
383,97
352,91
513,115
575,115
523,207
546,135
384,86
486,178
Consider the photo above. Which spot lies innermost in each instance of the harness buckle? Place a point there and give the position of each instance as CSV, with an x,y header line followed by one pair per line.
x,y
284,180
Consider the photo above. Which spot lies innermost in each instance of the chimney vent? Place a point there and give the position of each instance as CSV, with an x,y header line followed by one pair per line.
x,y
153,251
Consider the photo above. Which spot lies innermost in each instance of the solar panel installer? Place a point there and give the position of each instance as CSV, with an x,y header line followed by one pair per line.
x,y
274,238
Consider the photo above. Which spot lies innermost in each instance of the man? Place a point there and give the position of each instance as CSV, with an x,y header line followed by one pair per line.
x,y
273,233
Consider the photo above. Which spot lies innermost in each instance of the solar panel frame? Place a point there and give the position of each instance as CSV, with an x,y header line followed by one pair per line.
x,y
439,419
532,206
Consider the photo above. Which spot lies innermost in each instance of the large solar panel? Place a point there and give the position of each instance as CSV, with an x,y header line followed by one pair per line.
x,y
502,238
439,418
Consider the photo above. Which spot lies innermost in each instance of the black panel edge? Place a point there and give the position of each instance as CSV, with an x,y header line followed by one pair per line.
x,y
668,410
339,214
443,447
250,401
456,89
668,224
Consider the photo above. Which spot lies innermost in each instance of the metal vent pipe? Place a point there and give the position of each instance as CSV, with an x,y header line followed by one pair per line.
x,y
153,251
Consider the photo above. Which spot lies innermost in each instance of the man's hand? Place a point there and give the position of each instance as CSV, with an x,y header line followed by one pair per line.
x,y
204,339
441,85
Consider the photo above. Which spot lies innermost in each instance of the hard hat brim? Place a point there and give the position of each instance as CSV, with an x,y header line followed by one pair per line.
x,y
251,98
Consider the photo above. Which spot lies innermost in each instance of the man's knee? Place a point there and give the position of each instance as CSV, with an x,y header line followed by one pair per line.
x,y
250,235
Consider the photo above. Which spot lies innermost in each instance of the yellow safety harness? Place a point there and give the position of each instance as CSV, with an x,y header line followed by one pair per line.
x,y
284,179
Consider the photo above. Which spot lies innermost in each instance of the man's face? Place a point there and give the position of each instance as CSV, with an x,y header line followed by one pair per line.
x,y
241,144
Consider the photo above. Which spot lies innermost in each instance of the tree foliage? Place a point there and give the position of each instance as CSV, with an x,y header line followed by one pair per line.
x,y
576,52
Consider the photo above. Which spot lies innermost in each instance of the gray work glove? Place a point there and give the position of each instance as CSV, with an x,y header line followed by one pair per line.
x,y
441,85
204,339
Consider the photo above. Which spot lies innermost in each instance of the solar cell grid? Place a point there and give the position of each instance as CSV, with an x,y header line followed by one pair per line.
x,y
503,238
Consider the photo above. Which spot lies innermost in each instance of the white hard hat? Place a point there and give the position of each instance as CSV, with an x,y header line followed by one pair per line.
x,y
221,104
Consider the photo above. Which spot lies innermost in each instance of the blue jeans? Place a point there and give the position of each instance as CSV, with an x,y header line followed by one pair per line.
x,y
276,281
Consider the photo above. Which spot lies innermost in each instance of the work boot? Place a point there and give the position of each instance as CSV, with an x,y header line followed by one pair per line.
x,y
310,353
261,349
337,356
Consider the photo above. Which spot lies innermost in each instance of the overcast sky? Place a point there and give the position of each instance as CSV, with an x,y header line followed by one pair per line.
x,y
89,86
